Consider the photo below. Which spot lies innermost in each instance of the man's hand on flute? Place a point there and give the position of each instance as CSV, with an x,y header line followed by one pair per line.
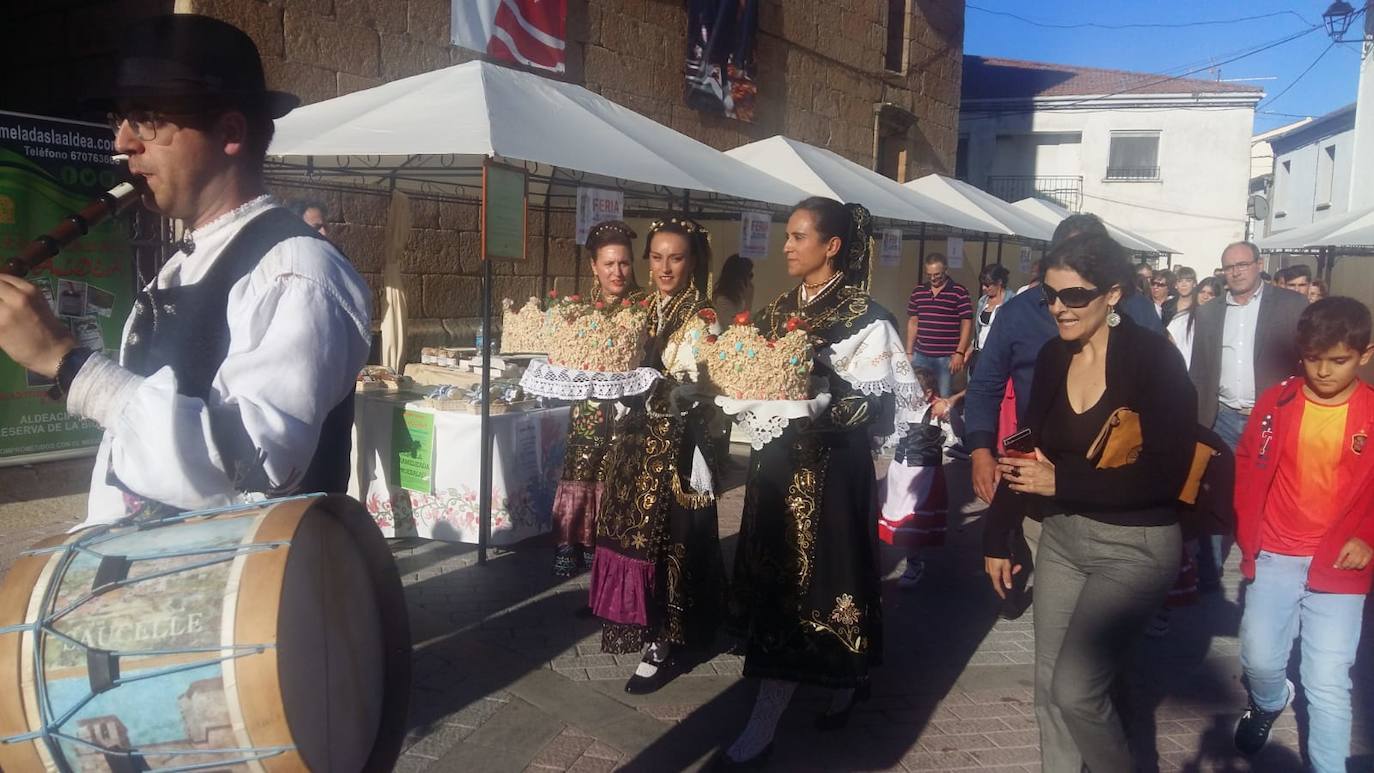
x,y
30,333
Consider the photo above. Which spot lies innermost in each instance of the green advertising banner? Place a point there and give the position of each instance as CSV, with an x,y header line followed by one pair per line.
x,y
49,169
412,445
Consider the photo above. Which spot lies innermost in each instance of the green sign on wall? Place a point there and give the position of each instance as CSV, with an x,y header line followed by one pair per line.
x,y
48,170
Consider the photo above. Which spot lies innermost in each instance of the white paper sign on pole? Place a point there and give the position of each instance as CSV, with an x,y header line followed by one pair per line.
x,y
595,205
890,254
1025,260
954,250
754,228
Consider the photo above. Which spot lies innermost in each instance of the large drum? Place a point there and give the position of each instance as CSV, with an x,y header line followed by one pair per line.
x,y
267,638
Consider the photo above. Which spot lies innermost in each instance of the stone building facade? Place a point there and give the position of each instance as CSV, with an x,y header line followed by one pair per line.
x,y
876,81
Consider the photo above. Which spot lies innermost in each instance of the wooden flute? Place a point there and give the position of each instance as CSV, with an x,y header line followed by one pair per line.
x,y
42,249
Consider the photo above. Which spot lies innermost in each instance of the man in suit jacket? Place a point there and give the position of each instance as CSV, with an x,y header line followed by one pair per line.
x,y
1243,343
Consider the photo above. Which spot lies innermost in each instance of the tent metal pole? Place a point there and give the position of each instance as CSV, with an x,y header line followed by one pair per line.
x,y
544,268
999,250
984,258
484,487
921,253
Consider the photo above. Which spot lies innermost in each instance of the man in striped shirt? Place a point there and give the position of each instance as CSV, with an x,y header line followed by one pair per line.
x,y
940,323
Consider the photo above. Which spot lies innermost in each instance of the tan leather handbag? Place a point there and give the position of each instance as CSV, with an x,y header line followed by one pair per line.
x,y
1118,444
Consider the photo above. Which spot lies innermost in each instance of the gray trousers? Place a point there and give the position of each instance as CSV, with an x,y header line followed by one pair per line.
x,y
1096,586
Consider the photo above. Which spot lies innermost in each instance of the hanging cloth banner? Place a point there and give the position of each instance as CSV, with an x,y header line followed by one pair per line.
x,y
528,32
954,251
595,205
754,228
890,253
720,57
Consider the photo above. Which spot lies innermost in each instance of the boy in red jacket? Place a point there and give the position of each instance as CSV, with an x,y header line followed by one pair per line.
x,y
1305,526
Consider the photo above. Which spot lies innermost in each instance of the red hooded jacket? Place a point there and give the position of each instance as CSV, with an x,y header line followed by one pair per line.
x,y
1274,425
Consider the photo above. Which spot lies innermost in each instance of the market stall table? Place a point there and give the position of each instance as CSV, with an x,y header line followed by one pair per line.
x,y
528,453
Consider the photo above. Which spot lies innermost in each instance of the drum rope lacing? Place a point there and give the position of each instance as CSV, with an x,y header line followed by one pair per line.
x,y
49,733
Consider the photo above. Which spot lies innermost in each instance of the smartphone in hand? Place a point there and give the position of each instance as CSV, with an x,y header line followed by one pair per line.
x,y
1019,444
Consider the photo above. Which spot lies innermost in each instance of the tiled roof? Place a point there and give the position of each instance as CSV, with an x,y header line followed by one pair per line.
x,y
993,78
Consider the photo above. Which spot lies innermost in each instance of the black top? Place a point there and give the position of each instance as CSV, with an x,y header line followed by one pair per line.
x,y
1144,373
1069,434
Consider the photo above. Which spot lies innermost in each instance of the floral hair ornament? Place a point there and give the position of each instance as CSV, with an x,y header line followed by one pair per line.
x,y
611,225
690,226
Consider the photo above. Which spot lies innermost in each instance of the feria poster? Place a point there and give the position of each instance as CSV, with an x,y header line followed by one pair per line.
x,y
48,170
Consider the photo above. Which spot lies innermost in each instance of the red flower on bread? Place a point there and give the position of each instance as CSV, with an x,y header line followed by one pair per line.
x,y
742,318
599,305
795,323
575,298
707,314
553,293
710,339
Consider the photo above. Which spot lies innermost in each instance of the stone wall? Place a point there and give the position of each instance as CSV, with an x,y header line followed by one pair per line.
x,y
821,75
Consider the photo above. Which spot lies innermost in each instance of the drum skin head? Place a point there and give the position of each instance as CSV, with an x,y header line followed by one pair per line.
x,y
314,582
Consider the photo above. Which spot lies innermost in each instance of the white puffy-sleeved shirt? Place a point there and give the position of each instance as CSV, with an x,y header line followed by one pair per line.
x,y
298,335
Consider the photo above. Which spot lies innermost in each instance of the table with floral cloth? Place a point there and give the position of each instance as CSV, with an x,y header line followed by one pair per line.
x,y
528,455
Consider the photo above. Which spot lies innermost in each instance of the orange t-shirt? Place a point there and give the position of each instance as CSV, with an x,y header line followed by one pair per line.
x,y
1305,500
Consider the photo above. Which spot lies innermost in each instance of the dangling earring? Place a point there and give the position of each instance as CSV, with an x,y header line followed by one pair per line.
x,y
1113,319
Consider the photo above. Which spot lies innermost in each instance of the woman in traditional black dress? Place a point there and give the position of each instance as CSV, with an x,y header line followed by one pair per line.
x,y
806,589
657,578
575,504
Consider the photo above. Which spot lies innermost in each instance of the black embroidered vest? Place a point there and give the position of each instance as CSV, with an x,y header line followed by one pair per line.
x,y
187,328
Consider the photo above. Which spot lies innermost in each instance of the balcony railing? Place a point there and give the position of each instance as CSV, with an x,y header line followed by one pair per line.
x,y
1064,190
1132,173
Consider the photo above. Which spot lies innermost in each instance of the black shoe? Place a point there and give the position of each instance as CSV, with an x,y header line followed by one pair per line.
x,y
564,561
643,685
1252,730
838,720
759,761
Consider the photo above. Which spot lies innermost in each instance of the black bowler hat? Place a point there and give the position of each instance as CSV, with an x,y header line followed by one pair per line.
x,y
191,63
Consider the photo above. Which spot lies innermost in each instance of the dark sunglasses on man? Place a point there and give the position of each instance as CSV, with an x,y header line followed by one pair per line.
x,y
1071,297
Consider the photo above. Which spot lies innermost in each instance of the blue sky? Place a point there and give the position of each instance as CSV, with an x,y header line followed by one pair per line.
x,y
1330,84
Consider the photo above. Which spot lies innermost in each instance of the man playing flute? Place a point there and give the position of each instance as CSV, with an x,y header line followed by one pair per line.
x,y
235,376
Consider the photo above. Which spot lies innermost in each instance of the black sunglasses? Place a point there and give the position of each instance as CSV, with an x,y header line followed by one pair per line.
x,y
1072,297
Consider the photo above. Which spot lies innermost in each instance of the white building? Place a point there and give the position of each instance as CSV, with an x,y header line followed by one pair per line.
x,y
1167,158
1311,170
1262,175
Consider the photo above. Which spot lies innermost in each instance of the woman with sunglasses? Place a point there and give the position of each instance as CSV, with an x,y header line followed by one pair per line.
x,y
1110,544
993,281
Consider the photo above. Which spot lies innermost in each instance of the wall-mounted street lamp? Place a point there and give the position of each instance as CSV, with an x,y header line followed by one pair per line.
x,y
1337,20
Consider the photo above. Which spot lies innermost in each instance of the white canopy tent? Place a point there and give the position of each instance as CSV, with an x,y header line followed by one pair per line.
x,y
429,134
821,172
1053,213
973,202
1352,229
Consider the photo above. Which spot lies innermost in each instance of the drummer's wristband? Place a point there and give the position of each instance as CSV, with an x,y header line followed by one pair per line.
x,y
71,365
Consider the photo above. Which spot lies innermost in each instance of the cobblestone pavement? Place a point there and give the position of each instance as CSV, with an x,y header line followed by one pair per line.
x,y
509,676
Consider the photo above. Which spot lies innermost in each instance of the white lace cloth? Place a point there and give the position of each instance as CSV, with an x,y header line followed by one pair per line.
x,y
766,420
874,362
546,380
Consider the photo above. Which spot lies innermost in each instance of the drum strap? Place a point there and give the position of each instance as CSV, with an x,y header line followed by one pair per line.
x,y
102,666
112,571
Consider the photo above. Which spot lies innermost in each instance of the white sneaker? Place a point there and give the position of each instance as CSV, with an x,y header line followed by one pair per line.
x,y
912,576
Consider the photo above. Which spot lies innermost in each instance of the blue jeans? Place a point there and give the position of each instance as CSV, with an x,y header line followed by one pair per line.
x,y
940,365
1212,550
1279,607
